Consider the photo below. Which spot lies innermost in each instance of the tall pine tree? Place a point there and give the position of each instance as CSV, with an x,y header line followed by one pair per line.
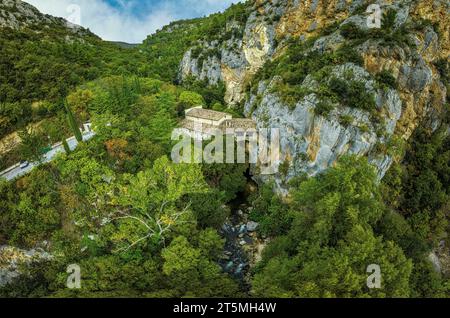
x,y
73,124
66,146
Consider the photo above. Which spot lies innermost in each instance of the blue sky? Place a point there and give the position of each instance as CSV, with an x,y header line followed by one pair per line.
x,y
128,20
182,8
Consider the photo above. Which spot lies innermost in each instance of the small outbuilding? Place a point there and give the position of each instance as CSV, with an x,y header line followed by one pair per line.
x,y
206,116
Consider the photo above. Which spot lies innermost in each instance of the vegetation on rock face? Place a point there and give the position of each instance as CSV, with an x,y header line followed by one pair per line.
x,y
164,49
352,93
389,34
301,60
386,79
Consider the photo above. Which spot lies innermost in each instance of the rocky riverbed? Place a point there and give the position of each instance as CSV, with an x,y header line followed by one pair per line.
x,y
243,245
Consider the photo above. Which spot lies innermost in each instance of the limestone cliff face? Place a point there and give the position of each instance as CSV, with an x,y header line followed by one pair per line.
x,y
268,25
18,15
311,143
241,56
421,88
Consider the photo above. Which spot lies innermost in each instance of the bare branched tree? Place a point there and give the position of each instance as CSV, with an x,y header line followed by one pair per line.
x,y
155,226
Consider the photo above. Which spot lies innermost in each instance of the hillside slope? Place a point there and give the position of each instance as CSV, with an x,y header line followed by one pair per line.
x,y
43,57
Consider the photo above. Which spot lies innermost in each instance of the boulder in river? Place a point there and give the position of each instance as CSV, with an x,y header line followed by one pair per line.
x,y
242,229
252,226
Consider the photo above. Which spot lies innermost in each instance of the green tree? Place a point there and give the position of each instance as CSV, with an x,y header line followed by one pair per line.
x,y
418,188
190,271
331,242
152,205
270,211
73,123
34,216
227,178
189,99
209,208
180,257
66,146
32,145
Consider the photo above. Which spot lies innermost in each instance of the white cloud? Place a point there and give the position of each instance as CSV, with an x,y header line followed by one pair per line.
x,y
113,24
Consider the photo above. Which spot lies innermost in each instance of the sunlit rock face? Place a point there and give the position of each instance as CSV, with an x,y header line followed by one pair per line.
x,y
311,143
241,56
12,13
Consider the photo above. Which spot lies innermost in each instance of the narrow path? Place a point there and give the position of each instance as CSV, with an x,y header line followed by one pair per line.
x,y
16,171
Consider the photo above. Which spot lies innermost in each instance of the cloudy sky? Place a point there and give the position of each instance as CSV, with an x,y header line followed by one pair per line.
x,y
128,20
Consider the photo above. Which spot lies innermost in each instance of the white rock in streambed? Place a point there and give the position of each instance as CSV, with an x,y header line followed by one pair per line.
x,y
252,226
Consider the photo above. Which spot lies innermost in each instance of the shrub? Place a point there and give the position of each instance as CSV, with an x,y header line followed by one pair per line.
x,y
290,94
352,31
443,68
389,18
330,29
352,93
346,120
359,97
386,79
284,168
196,51
364,128
347,54
323,108
339,87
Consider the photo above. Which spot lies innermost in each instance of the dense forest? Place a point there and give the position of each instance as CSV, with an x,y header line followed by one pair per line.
x,y
52,62
140,225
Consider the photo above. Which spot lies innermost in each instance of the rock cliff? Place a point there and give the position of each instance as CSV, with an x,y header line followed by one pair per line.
x,y
401,66
19,15
11,260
